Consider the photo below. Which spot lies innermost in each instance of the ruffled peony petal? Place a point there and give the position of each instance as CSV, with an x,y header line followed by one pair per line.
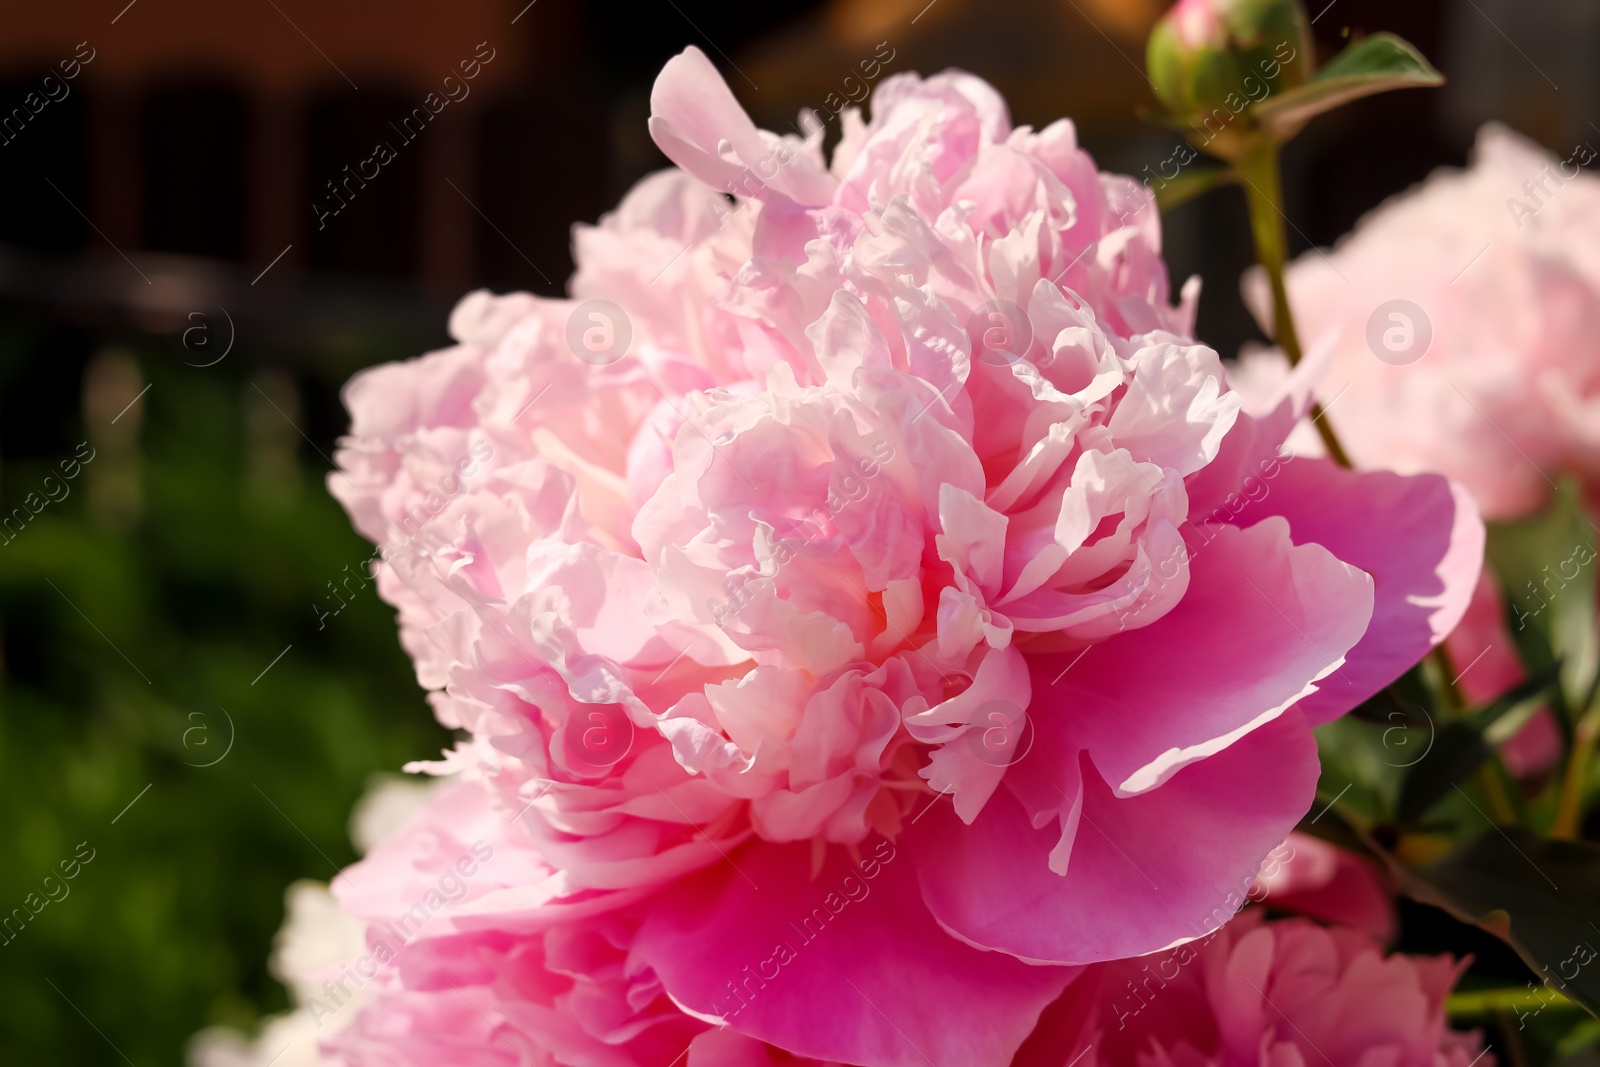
x,y
693,115
1420,538
1263,623
1145,872
844,964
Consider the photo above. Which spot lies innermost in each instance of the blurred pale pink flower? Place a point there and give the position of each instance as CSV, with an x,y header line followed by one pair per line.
x,y
1453,332
1260,994
893,476
1491,374
314,948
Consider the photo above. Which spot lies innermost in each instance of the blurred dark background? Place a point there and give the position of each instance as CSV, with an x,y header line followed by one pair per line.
x,y
178,298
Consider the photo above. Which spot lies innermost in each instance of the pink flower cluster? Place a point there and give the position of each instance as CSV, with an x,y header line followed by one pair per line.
x,y
1267,994
873,614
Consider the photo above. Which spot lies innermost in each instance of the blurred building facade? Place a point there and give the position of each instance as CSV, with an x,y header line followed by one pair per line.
x,y
330,177
245,132
232,132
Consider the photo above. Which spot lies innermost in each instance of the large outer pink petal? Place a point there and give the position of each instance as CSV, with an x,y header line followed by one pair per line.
x,y
1145,872
1263,620
1420,538
878,983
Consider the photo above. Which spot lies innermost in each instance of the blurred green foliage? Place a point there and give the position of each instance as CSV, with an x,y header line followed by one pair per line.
x,y
1415,778
184,558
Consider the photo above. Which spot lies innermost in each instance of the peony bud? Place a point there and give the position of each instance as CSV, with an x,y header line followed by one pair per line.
x,y
1211,60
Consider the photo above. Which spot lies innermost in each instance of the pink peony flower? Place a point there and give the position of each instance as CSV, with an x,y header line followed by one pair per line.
x,y
1261,994
895,478
1487,372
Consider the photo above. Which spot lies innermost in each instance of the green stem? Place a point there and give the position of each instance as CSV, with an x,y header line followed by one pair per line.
x,y
1445,668
1263,191
1439,674
1495,792
1510,1042
1482,1002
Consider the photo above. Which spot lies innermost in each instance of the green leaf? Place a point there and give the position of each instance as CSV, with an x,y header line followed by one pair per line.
x,y
1185,187
1457,751
1540,895
1505,715
1374,64
1585,1035
1461,746
1354,754
1409,694
1547,568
